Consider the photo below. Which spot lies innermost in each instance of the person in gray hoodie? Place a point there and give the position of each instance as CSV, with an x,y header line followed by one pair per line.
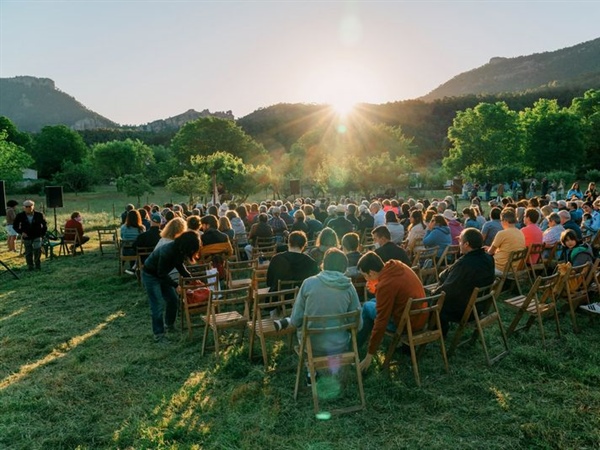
x,y
327,293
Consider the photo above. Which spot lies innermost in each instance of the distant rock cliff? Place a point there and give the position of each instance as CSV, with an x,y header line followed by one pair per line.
x,y
176,122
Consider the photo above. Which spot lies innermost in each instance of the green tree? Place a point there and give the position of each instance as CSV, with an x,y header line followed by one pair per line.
x,y
553,137
115,159
208,135
13,159
224,169
192,184
13,134
76,177
588,109
134,186
55,145
487,135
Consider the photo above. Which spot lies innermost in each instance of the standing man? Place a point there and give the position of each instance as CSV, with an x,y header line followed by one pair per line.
x,y
396,283
32,227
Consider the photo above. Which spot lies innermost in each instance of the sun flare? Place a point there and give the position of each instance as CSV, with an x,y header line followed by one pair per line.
x,y
342,84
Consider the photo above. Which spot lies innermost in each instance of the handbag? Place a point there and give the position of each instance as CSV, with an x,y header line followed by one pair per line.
x,y
198,295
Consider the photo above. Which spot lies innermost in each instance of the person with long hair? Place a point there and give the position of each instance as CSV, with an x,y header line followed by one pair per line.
x,y
416,230
11,213
161,288
327,239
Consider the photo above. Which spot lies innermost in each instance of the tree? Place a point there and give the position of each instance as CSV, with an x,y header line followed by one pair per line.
x,y
55,145
115,159
192,184
223,168
487,136
13,134
588,110
76,177
134,185
208,135
13,159
553,137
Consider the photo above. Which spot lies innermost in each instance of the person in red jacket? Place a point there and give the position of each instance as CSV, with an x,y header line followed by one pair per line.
x,y
396,283
75,222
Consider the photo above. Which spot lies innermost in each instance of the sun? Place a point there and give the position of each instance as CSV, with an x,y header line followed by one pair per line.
x,y
343,106
342,84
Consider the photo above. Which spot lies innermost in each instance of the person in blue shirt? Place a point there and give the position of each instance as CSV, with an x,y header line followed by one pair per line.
x,y
438,234
575,192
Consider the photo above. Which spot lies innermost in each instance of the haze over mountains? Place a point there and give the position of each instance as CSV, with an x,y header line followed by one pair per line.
x,y
32,103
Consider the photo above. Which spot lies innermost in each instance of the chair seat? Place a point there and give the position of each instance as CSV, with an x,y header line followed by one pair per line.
x,y
242,282
228,317
268,328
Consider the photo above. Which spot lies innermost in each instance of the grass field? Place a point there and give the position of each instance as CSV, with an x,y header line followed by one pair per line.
x,y
79,369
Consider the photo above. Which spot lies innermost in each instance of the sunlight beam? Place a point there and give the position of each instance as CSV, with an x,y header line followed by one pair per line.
x,y
57,353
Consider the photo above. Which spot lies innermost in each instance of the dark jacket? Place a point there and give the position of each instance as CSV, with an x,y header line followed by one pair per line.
x,y
392,251
36,229
290,266
162,261
213,236
341,226
148,238
474,269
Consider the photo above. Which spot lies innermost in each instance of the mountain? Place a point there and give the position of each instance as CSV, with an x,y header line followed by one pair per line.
x,y
572,67
32,103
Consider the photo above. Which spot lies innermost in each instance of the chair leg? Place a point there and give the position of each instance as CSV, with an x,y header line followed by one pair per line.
x,y
215,331
263,347
204,338
299,370
413,357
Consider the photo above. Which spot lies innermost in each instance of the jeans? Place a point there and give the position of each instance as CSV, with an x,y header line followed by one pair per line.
x,y
157,294
33,252
369,312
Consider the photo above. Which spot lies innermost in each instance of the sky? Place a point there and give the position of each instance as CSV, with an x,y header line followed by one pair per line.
x,y
139,61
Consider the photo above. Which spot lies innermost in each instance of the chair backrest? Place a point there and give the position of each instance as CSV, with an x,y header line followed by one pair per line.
x,y
265,242
449,256
230,299
71,236
517,260
428,307
210,281
315,325
199,269
283,299
534,254
288,284
236,270
481,301
426,260
423,254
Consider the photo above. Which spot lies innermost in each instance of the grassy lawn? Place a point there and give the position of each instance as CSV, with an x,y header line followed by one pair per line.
x,y
79,369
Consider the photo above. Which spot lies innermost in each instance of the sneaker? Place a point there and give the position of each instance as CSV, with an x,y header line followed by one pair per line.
x,y
593,307
281,324
130,272
309,380
161,339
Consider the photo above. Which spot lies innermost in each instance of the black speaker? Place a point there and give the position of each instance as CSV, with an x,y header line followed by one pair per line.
x,y
295,187
54,197
2,199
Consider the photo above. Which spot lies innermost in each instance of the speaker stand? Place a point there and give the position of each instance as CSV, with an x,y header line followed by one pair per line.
x,y
55,224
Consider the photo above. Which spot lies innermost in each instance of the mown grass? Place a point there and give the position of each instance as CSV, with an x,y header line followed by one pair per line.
x,y
79,369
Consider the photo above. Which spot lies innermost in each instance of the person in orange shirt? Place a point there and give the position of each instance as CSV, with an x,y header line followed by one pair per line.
x,y
396,283
533,234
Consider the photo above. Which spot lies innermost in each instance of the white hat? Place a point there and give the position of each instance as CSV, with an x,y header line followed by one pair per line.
x,y
449,214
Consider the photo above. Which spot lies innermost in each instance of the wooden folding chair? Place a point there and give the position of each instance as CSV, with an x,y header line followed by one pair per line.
x,y
199,269
71,242
535,261
574,290
124,259
142,255
263,254
481,312
263,327
426,260
189,309
226,310
107,237
319,325
429,307
515,270
449,256
360,284
259,280
549,257
239,274
593,279
538,303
